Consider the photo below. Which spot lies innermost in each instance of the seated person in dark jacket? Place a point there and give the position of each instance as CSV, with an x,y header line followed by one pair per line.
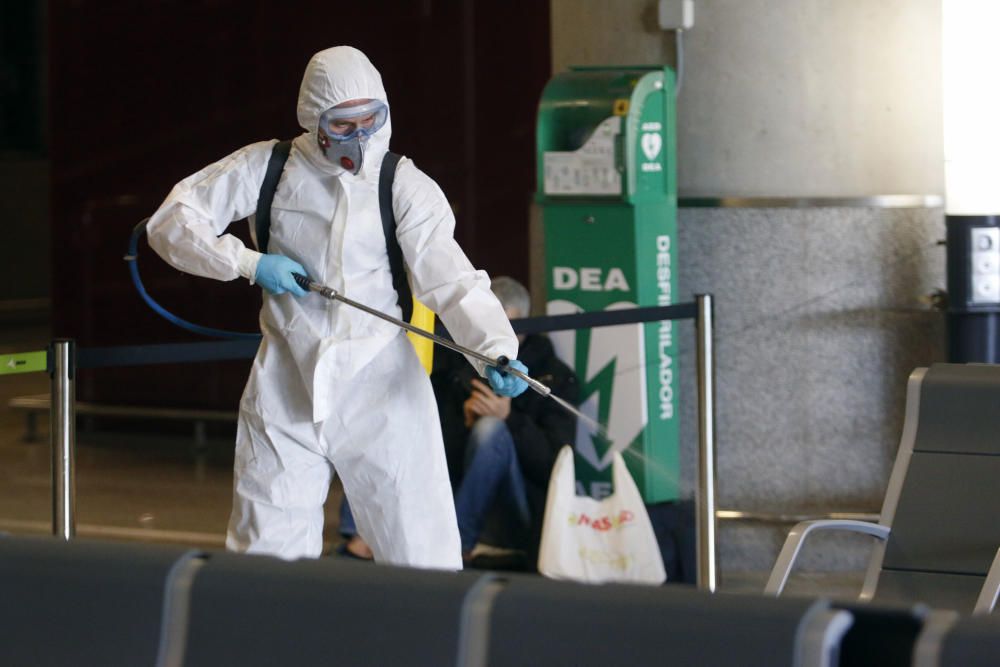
x,y
500,451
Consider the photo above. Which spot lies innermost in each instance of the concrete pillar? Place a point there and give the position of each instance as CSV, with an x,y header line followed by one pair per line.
x,y
791,98
798,111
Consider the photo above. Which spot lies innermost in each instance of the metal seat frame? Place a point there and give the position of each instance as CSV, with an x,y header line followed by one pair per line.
x,y
882,530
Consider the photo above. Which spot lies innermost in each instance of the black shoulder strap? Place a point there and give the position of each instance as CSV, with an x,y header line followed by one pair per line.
x,y
279,155
399,280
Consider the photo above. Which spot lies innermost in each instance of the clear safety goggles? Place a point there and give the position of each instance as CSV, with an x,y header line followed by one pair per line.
x,y
345,123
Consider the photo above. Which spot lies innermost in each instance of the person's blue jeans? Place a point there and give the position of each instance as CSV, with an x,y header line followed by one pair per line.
x,y
347,527
492,474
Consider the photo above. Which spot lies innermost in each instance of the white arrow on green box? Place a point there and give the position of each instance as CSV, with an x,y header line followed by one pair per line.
x,y
23,362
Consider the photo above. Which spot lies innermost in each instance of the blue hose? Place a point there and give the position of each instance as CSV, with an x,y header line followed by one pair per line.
x,y
133,266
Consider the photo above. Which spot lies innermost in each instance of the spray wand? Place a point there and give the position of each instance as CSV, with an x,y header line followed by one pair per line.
x,y
501,363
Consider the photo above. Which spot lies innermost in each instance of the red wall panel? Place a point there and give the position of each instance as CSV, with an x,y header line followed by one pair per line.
x,y
141,94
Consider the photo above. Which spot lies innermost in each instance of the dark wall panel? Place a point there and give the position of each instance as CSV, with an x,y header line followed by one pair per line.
x,y
144,93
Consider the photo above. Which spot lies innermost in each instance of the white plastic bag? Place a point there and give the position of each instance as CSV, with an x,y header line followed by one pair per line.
x,y
597,540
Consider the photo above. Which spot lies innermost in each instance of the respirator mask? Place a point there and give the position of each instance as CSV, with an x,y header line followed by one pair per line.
x,y
343,132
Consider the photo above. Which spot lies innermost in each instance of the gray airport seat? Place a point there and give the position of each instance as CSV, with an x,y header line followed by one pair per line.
x,y
257,610
85,603
938,532
88,603
960,642
885,636
536,621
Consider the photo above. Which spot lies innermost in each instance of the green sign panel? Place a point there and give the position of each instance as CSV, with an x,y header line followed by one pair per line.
x,y
607,189
23,362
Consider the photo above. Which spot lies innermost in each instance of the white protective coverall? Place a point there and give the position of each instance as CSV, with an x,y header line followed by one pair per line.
x,y
332,387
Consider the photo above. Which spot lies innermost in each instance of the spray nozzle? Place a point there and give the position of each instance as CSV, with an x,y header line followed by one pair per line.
x,y
503,364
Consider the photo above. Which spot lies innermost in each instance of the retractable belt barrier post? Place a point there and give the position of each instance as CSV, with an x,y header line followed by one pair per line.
x,y
705,504
62,360
63,434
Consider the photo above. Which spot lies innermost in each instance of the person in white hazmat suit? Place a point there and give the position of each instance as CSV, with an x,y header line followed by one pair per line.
x,y
334,389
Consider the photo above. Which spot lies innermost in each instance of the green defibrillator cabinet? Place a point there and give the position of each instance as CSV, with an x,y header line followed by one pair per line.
x,y
607,191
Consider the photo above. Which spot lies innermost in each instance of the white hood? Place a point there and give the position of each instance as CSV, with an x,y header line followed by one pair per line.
x,y
335,75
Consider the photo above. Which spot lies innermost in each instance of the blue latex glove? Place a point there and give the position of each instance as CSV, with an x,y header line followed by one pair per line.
x,y
506,384
274,273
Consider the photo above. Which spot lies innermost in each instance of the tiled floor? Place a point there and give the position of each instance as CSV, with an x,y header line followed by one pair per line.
x,y
129,484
